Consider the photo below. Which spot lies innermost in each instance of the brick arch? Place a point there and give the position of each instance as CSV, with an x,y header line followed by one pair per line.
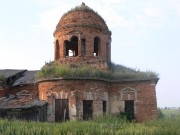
x,y
74,38
73,33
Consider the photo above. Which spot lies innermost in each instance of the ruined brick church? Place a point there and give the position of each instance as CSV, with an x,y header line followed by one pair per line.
x,y
81,37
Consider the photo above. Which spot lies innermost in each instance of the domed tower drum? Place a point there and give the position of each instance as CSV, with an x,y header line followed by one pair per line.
x,y
82,36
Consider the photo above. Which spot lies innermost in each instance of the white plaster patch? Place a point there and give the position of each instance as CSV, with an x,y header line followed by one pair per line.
x,y
72,112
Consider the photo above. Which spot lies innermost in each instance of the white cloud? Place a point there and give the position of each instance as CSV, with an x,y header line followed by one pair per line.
x,y
115,20
141,19
3,40
49,19
176,6
151,12
149,17
49,2
112,2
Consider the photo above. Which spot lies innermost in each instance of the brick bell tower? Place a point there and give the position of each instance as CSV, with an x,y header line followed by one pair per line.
x,y
82,36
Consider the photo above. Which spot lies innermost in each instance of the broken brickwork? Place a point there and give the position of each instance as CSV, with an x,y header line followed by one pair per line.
x,y
82,36
114,93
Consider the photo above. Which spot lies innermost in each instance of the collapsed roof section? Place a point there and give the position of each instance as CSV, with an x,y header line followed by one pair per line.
x,y
20,103
22,100
18,77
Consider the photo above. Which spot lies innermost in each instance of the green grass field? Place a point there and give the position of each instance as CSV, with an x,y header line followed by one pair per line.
x,y
170,113
99,126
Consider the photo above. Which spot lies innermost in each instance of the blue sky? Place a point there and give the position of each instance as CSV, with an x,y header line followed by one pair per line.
x,y
145,36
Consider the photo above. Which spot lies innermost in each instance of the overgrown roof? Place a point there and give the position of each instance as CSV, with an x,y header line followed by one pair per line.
x,y
114,73
83,8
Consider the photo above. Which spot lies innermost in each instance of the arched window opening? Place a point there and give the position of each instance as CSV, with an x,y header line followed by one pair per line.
x,y
72,47
57,50
96,46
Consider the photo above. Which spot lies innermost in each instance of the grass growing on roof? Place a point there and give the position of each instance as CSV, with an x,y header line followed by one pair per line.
x,y
115,72
83,8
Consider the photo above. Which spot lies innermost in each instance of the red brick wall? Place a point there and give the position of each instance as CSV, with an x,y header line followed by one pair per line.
x,y
78,86
143,93
76,91
86,23
83,19
33,89
147,106
145,102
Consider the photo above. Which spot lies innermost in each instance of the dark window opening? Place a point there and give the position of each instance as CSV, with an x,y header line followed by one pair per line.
x,y
104,106
72,47
96,46
57,50
83,49
8,81
61,110
87,109
129,109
